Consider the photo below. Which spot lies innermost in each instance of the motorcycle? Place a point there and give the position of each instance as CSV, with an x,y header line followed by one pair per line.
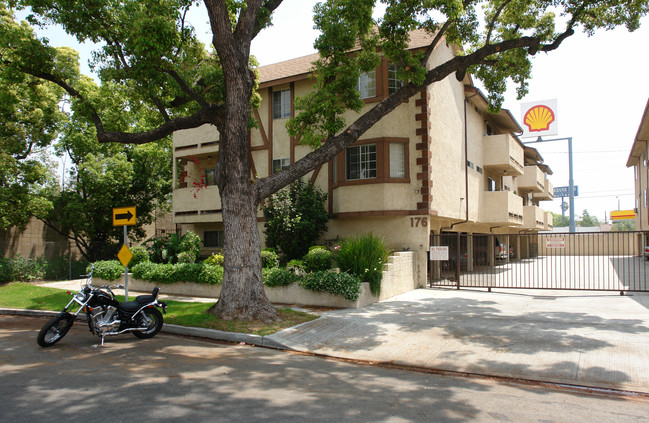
x,y
105,315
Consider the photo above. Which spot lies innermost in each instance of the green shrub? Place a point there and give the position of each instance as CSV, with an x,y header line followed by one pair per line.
x,y
186,257
25,270
295,217
166,249
269,259
278,276
318,259
190,244
166,273
20,269
5,270
344,284
143,270
211,275
364,257
187,272
140,254
296,266
110,270
214,260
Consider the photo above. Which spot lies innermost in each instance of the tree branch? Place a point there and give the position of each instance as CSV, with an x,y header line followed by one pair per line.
x,y
186,88
492,23
266,186
213,115
269,5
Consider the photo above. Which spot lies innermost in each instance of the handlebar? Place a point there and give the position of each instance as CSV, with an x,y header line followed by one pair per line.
x,y
89,275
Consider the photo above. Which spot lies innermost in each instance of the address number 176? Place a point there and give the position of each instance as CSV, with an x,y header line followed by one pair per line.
x,y
416,222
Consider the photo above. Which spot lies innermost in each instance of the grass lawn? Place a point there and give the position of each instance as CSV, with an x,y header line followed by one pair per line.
x,y
33,297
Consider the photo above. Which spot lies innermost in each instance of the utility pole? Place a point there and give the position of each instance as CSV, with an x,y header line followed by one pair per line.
x,y
571,184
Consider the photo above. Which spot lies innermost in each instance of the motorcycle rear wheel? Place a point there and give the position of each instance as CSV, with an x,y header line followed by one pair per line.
x,y
154,324
55,329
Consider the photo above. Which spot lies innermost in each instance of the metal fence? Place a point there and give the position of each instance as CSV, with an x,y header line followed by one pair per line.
x,y
611,261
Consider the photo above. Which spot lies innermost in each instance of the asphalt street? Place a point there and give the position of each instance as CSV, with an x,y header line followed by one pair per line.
x,y
172,378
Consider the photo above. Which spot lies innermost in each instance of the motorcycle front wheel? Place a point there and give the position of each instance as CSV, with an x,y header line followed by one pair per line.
x,y
55,329
153,321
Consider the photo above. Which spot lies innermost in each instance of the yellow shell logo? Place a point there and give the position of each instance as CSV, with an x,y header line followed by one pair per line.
x,y
538,118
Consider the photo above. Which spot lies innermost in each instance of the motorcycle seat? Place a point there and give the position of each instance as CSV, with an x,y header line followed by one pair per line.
x,y
144,299
129,306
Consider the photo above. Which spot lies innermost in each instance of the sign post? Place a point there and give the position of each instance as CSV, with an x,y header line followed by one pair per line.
x,y
124,216
540,119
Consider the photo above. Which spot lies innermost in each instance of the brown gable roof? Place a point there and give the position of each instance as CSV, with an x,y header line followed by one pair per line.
x,y
289,68
299,68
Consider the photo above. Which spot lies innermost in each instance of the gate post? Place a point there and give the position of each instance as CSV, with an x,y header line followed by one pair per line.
x,y
457,261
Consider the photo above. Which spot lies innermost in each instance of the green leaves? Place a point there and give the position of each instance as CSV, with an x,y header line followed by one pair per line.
x,y
295,218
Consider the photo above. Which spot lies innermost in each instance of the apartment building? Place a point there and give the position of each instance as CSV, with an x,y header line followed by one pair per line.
x,y
638,158
441,162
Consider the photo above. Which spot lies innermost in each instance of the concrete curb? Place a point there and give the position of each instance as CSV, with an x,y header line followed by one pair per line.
x,y
216,335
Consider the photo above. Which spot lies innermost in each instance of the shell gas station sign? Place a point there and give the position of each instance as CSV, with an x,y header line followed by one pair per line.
x,y
539,118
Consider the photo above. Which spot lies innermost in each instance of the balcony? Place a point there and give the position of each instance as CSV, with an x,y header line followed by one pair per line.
x,y
548,192
381,199
501,208
549,221
533,218
533,180
197,205
502,154
196,142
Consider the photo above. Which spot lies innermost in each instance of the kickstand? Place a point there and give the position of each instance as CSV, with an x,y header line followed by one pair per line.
x,y
102,341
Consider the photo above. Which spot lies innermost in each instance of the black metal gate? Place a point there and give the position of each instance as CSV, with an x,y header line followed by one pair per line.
x,y
601,261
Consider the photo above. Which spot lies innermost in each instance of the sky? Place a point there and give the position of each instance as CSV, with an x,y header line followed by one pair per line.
x,y
600,84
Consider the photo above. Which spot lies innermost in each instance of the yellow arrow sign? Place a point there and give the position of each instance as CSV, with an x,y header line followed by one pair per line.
x,y
124,255
124,216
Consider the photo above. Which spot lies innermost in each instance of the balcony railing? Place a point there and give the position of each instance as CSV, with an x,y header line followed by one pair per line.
x,y
503,154
501,208
196,205
532,180
549,221
194,142
547,194
533,218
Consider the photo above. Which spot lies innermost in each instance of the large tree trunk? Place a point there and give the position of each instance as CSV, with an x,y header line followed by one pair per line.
x,y
242,295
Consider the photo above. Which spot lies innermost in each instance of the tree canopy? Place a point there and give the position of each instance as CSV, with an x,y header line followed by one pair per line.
x,y
150,62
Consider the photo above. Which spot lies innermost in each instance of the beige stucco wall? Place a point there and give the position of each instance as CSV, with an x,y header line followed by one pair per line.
x,y
398,278
35,240
447,143
587,244
388,209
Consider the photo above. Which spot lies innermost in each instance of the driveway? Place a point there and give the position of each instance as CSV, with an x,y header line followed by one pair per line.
x,y
578,338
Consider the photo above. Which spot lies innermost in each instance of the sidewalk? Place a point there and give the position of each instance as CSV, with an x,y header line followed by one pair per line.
x,y
593,339
580,338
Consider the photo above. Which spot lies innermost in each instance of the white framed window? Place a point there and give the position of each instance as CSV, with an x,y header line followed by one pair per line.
x,y
281,104
367,84
280,164
361,162
394,83
397,160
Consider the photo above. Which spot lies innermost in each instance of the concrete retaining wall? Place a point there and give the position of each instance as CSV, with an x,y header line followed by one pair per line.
x,y
398,277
